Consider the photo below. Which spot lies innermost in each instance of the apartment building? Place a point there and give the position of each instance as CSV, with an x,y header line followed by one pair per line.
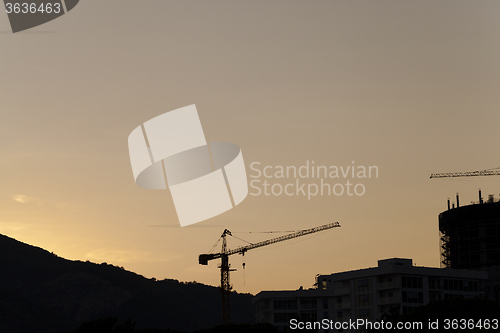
x,y
367,293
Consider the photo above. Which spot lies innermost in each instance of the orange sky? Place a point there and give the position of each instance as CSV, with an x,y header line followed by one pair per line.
x,y
408,86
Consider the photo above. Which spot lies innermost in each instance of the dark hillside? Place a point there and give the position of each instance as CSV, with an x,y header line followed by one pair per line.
x,y
41,292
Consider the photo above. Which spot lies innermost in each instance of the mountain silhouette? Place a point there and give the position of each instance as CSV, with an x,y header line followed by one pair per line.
x,y
43,293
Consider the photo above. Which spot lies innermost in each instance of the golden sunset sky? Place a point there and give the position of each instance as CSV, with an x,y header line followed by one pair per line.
x,y
411,87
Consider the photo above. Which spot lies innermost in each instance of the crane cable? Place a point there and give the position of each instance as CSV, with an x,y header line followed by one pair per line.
x,y
241,239
243,257
217,242
215,245
263,232
243,264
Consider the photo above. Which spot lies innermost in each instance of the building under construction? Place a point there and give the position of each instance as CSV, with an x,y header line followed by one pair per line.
x,y
470,239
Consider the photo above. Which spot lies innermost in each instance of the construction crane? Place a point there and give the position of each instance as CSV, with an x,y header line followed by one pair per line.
x,y
487,172
225,287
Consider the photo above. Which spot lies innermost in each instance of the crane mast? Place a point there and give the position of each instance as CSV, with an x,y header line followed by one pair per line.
x,y
224,266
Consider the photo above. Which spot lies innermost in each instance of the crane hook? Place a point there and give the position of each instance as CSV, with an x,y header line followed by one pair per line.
x,y
243,264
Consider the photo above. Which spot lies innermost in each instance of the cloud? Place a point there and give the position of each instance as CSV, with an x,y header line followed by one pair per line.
x,y
66,206
24,199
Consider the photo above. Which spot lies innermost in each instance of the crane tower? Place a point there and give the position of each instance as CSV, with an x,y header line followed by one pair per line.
x,y
225,286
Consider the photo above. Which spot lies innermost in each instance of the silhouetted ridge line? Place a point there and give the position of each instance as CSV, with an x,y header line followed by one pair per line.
x,y
41,292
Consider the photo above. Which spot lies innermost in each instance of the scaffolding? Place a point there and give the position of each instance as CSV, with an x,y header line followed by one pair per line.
x,y
470,236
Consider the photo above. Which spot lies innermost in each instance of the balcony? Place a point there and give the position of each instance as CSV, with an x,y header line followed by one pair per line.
x,y
343,305
389,300
389,285
343,291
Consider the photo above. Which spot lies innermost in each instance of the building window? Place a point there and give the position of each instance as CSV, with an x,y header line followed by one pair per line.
x,y
283,317
363,285
364,313
309,315
434,284
460,285
308,304
324,284
325,315
325,303
339,314
408,309
447,296
284,304
413,297
363,300
411,282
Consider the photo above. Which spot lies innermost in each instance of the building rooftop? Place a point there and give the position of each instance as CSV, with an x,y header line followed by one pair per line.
x,y
404,266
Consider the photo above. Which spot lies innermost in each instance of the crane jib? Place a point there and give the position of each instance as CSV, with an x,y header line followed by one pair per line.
x,y
488,172
204,258
225,286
